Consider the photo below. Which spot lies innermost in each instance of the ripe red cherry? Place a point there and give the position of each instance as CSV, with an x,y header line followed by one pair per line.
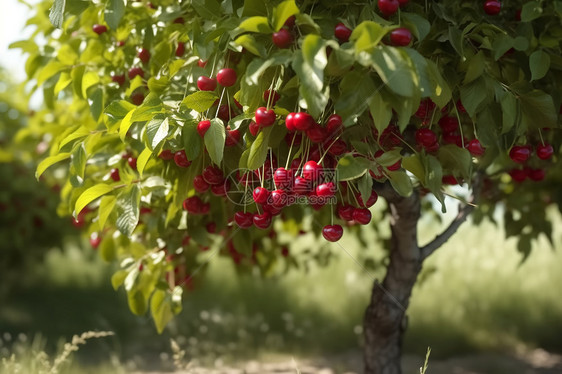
x,y
180,158
290,122
260,195
345,212
342,32
135,71
519,153
450,180
265,117
221,189
118,78
518,175
213,175
362,216
278,198
537,175
203,127
475,148
492,7
334,124
144,55
95,240
403,2
396,166
282,38
201,63
205,208
388,7
545,151
332,233
449,124
426,138
311,171
316,133
206,84
193,205
254,128
132,161
179,21
99,29
271,96
211,227
282,178
166,155
370,201
200,184
302,121
137,98
244,220
290,22
232,137
180,50
326,189
262,221
400,37
226,77
301,186
114,174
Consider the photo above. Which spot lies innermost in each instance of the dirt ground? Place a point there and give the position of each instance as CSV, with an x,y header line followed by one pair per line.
x,y
534,362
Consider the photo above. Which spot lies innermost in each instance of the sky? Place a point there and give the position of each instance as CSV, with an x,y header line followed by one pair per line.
x,y
12,22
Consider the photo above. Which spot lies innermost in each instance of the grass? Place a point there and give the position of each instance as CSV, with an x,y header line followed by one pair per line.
x,y
475,296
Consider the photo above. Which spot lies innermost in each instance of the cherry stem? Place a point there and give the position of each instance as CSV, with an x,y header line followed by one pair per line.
x,y
540,136
214,65
328,148
220,101
271,165
290,150
460,125
332,214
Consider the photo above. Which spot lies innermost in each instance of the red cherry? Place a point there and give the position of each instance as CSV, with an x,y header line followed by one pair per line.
x,y
244,220
388,7
326,189
316,133
311,171
262,221
144,55
345,212
221,189
180,49
537,175
232,137
475,148
192,205
518,175
396,166
520,154
180,158
213,175
426,138
334,124
120,43
132,161
285,251
450,180
282,178
201,63
449,124
335,147
99,29
226,77
282,38
370,201
200,184
290,122
114,174
179,20
137,98
278,198
362,216
403,3
226,113
545,151
342,32
211,227
301,186
254,128
119,79
166,155
290,22
135,71
260,195
492,7
205,208
400,37
332,233
264,117
203,127
302,121
206,84
95,240
271,96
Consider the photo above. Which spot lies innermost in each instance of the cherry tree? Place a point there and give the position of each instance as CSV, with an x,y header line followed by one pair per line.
x,y
187,129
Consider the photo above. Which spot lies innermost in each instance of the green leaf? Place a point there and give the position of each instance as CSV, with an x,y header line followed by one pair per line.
x,y
419,26
509,111
256,24
63,82
539,62
90,195
107,249
157,130
118,109
538,109
434,178
191,140
200,101
78,161
95,100
214,140
137,302
56,15
390,157
400,182
365,186
456,40
89,79
283,11
356,89
476,66
259,148
251,44
309,66
394,67
472,96
126,124
128,209
114,11
380,111
456,159
107,203
350,168
143,159
118,278
52,68
415,166
164,305
442,92
50,161
367,35
500,45
531,11
79,134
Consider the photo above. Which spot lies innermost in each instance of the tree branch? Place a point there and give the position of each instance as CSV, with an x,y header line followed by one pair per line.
x,y
461,217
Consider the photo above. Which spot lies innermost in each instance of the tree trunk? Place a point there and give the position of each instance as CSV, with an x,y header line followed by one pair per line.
x,y
385,318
